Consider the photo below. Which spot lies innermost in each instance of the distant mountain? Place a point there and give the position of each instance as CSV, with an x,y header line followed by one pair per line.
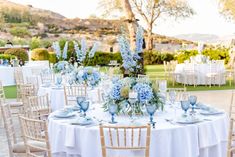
x,y
52,26
207,38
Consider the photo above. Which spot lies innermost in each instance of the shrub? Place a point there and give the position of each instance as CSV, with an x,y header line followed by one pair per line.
x,y
2,42
39,54
19,41
154,57
19,53
52,57
19,31
35,43
7,56
185,55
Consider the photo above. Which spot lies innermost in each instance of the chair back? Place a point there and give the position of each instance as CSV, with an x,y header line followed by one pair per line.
x,y
125,138
179,92
35,130
72,92
39,105
232,105
47,78
2,93
33,80
18,75
9,127
231,139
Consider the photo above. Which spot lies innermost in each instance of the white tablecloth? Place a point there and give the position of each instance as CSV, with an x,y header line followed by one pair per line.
x,y
201,71
204,139
57,97
7,73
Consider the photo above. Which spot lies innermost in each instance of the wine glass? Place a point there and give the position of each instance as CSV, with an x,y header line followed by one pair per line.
x,y
80,99
58,80
192,99
162,86
112,111
185,106
151,110
172,96
85,107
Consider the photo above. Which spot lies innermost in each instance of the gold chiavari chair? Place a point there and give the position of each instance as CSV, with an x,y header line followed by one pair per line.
x,y
71,92
33,80
35,130
39,106
13,104
19,79
132,138
27,90
15,146
231,140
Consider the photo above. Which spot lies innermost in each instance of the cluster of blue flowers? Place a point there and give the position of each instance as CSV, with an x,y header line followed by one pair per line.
x,y
145,92
62,67
116,91
89,76
56,48
81,53
130,58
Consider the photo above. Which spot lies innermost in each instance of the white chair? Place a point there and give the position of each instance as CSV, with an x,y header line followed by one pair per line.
x,y
231,139
189,75
214,76
125,138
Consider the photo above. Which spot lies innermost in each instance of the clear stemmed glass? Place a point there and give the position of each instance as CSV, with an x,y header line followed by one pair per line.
x,y
185,106
151,110
132,105
85,107
192,99
172,96
112,111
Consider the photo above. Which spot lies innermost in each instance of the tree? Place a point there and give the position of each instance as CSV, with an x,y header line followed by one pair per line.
x,y
228,8
151,10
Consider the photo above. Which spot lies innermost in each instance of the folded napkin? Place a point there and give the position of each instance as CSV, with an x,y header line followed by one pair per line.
x,y
70,136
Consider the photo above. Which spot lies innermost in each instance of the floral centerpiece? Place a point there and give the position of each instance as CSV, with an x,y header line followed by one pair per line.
x,y
146,94
132,59
88,76
62,67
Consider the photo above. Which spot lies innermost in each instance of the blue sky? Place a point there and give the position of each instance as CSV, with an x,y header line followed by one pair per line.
x,y
206,21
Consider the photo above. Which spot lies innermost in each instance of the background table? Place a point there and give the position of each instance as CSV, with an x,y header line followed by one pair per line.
x,y
200,70
204,139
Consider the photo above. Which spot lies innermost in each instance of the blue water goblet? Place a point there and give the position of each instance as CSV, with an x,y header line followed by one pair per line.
x,y
151,110
113,111
58,80
192,99
185,106
80,99
85,107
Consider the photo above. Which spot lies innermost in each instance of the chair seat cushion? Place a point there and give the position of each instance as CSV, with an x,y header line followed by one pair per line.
x,y
15,103
20,147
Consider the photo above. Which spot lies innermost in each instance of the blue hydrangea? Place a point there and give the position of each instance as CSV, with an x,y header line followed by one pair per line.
x,y
116,91
145,92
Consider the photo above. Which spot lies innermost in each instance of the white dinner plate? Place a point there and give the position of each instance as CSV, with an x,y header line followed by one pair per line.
x,y
82,121
62,115
205,112
188,121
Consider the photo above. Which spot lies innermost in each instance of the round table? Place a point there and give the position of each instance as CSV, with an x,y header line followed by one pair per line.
x,y
201,70
204,139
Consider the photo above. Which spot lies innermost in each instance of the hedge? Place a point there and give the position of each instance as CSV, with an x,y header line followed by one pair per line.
x,y
19,53
39,54
7,56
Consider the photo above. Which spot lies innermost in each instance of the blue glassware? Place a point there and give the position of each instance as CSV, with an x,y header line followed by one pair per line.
x,y
112,111
85,107
80,99
192,99
151,110
185,106
58,80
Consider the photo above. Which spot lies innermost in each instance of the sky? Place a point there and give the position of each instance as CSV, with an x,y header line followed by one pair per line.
x,y
207,19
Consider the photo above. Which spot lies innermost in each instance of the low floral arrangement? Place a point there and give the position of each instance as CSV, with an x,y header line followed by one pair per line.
x,y
146,94
88,76
63,67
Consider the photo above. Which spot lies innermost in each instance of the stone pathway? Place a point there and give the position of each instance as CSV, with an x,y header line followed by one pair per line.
x,y
219,99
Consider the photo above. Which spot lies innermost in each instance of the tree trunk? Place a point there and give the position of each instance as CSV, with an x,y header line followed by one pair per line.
x,y
130,18
149,38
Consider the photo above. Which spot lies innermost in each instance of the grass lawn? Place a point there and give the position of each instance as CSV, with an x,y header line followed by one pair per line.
x,y
154,72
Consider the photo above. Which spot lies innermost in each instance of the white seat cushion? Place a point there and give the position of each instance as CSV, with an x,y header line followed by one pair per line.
x,y
20,147
15,103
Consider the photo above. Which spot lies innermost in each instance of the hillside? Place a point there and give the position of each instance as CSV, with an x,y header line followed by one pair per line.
x,y
27,22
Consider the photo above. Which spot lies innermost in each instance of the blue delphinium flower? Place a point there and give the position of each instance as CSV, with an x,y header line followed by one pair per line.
x,y
93,50
116,91
83,49
139,39
56,48
65,50
145,92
